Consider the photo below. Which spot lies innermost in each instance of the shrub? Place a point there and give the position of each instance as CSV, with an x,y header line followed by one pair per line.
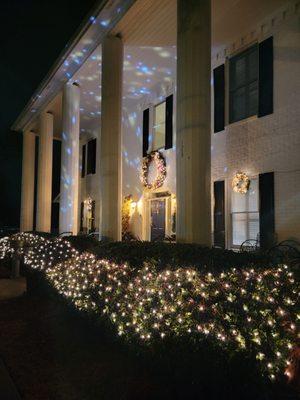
x,y
236,309
173,255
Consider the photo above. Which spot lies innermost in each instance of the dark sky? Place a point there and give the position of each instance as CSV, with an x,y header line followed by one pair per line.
x,y
32,34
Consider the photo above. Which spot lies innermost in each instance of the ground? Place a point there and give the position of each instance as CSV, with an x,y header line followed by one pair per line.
x,y
51,355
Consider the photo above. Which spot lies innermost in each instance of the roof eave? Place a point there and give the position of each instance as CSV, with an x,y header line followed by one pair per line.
x,y
26,116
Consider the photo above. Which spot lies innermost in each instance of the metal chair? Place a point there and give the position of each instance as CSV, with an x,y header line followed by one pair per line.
x,y
249,245
63,234
287,251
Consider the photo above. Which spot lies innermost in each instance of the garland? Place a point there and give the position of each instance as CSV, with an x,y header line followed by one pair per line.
x,y
240,183
160,163
89,204
238,310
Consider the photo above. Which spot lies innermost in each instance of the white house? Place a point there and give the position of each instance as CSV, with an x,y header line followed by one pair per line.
x,y
161,106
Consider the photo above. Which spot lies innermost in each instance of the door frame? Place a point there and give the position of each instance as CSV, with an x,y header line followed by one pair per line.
x,y
168,216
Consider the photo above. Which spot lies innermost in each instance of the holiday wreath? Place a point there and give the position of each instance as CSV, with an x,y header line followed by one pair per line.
x,y
160,163
240,183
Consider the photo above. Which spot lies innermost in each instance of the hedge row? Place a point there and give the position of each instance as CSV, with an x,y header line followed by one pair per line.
x,y
239,310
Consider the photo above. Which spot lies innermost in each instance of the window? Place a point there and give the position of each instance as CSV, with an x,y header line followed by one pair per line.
x,y
159,128
243,85
245,214
162,126
91,157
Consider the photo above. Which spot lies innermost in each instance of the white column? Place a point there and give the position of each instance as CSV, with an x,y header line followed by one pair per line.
x,y
44,186
193,121
27,191
68,209
110,147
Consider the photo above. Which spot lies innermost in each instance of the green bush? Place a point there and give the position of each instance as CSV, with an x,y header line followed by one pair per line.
x,y
250,309
173,255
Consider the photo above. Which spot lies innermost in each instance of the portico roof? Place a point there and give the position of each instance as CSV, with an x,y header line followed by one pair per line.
x,y
230,19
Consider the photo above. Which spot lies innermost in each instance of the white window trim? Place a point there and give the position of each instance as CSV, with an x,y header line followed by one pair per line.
x,y
228,217
152,125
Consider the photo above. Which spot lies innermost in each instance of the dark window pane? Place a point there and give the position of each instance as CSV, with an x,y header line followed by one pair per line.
x,y
253,65
243,85
91,157
253,98
240,72
238,104
83,161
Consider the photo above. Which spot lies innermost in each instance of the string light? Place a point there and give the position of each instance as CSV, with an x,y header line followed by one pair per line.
x,y
252,310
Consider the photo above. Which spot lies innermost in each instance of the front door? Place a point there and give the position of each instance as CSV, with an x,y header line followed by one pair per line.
x,y
158,219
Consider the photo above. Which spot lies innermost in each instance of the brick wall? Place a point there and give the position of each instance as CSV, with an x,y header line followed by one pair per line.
x,y
271,143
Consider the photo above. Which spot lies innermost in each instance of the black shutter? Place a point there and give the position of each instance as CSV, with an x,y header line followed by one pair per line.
x,y
91,156
81,215
93,216
219,214
266,210
169,122
265,101
219,98
83,161
145,131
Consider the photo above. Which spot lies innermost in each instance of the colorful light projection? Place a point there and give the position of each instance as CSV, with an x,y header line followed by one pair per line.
x,y
95,30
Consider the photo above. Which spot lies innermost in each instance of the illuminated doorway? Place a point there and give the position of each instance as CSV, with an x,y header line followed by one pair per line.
x,y
158,219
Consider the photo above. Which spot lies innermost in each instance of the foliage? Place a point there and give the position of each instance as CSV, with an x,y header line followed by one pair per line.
x,y
244,310
179,254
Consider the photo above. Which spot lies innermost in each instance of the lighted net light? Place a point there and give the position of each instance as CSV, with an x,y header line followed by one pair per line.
x,y
248,310
23,243
48,253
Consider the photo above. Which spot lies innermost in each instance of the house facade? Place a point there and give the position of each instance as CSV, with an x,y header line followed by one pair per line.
x,y
170,118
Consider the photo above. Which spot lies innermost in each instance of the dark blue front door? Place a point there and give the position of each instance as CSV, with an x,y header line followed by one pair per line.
x,y
158,219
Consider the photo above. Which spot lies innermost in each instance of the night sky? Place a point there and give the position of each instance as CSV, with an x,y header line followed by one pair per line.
x,y
33,33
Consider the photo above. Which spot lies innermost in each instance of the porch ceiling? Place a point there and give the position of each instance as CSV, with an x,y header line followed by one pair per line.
x,y
146,27
153,22
149,23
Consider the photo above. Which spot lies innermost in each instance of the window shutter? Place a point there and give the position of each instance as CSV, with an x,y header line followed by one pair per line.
x,y
91,156
81,215
145,131
93,216
169,122
265,101
219,214
266,210
219,98
83,161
